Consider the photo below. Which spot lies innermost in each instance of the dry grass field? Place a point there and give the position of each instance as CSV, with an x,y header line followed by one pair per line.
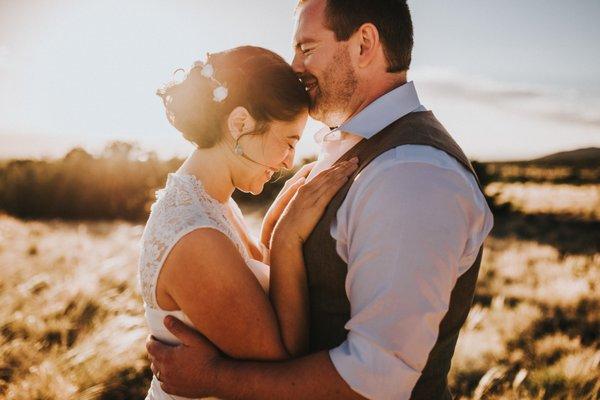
x,y
71,324
575,201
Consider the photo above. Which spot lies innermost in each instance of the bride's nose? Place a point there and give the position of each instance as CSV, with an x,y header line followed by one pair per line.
x,y
288,162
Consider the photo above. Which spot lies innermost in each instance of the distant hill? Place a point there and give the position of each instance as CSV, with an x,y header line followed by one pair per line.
x,y
581,157
577,167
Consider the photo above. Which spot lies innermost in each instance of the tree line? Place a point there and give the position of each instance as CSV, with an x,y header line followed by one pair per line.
x,y
119,183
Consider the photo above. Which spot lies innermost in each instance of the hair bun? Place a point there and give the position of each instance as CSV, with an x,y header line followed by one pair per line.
x,y
198,104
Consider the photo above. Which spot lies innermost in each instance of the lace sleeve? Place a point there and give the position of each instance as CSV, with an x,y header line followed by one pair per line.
x,y
177,211
156,246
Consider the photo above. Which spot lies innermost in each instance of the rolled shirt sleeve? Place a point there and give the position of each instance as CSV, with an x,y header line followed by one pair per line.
x,y
407,231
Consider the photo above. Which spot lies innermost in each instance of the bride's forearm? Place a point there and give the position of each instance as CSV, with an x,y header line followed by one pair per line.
x,y
265,254
289,293
266,229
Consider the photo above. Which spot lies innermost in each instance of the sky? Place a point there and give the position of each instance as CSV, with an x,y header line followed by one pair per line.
x,y
510,79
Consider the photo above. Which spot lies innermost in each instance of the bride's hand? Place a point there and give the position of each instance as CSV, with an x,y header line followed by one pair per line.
x,y
309,202
281,201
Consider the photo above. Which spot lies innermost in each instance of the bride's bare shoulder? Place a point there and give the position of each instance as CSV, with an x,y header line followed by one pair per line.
x,y
202,248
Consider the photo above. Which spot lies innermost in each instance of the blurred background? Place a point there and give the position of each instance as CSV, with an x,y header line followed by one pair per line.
x,y
84,144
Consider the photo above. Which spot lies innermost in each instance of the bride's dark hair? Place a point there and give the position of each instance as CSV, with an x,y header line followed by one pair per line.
x,y
256,78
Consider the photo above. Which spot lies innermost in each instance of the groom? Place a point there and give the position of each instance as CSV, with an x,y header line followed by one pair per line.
x,y
392,264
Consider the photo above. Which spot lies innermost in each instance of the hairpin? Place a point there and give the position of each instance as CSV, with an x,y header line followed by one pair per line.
x,y
220,93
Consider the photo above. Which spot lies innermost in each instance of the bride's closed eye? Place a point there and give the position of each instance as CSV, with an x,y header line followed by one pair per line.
x,y
292,145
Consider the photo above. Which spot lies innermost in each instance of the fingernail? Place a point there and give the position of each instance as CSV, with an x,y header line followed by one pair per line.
x,y
168,321
354,159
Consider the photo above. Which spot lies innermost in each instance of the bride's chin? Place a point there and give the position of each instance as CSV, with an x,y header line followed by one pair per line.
x,y
258,189
254,188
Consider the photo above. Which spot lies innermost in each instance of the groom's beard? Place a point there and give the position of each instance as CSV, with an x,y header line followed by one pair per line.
x,y
331,95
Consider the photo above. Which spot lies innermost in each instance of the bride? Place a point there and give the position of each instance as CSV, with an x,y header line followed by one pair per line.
x,y
245,111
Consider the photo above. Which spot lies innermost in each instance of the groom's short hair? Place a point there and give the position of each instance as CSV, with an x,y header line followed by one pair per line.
x,y
391,18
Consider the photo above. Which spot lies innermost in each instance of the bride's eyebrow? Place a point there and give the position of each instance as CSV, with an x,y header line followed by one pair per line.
x,y
297,137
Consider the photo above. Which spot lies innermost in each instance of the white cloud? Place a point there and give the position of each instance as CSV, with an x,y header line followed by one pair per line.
x,y
559,105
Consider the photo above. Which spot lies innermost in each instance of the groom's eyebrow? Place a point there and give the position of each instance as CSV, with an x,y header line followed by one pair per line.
x,y
303,41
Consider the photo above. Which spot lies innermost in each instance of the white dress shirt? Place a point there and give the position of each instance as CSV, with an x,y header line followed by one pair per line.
x,y
411,224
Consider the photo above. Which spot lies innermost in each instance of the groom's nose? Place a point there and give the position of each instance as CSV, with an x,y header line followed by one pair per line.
x,y
298,63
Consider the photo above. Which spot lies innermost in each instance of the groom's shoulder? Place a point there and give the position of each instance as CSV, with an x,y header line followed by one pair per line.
x,y
407,158
410,154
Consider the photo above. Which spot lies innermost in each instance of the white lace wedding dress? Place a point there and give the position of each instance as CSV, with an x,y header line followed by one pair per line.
x,y
180,208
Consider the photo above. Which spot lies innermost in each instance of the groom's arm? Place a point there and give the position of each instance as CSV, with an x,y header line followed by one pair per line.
x,y
197,369
313,377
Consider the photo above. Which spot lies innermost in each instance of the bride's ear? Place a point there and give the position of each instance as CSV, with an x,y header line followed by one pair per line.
x,y
240,122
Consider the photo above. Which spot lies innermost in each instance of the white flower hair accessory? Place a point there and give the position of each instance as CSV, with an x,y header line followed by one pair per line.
x,y
220,93
207,71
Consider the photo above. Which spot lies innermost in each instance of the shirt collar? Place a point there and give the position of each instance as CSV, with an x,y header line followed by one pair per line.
x,y
380,113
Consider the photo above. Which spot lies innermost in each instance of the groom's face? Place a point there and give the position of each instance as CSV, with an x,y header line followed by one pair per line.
x,y
323,64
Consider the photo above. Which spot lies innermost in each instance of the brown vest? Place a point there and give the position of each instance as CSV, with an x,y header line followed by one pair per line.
x,y
326,271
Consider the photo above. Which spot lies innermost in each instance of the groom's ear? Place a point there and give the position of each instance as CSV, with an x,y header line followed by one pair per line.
x,y
368,40
240,122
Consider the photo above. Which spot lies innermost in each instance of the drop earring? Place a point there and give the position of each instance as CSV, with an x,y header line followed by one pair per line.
x,y
238,149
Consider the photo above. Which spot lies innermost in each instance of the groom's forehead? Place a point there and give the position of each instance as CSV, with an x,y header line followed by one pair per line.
x,y
311,10
309,19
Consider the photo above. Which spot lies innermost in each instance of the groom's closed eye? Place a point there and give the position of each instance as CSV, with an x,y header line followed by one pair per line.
x,y
305,45
307,49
